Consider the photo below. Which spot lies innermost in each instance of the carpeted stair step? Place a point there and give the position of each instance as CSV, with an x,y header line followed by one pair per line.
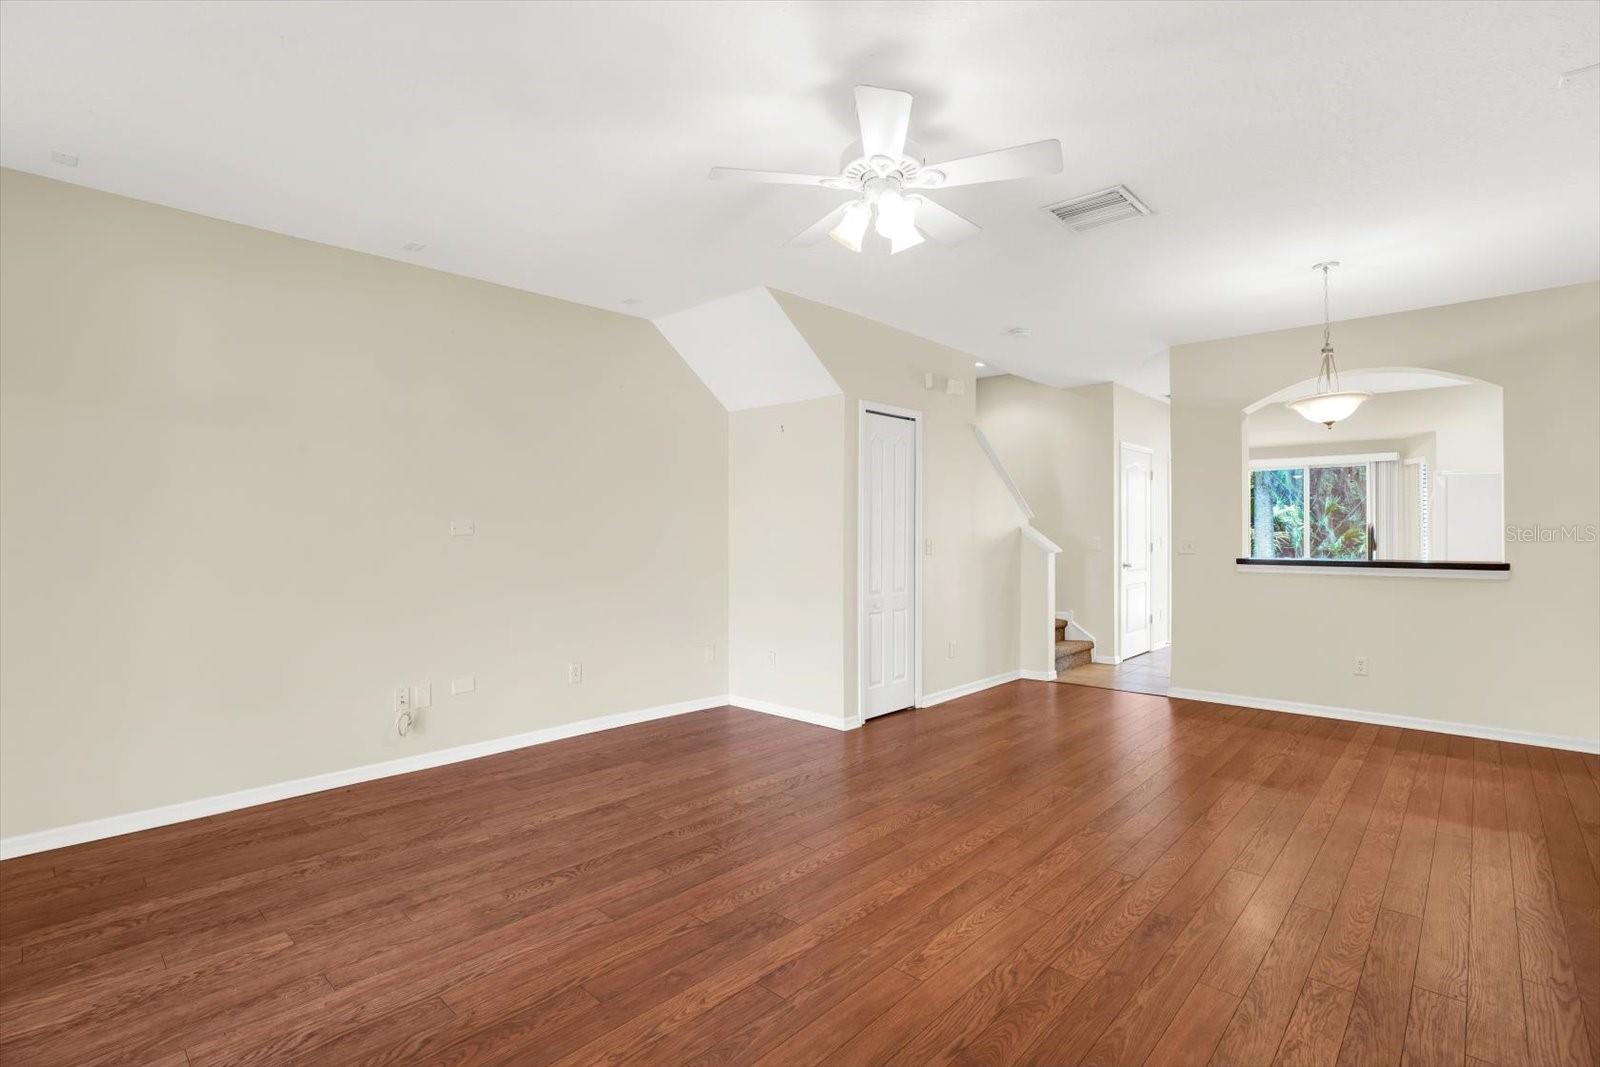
x,y
1071,654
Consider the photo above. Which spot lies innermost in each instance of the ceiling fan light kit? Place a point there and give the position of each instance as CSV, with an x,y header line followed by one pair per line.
x,y
888,174
853,226
1329,403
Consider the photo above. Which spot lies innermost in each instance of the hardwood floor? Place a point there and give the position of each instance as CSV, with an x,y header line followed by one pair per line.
x,y
1037,874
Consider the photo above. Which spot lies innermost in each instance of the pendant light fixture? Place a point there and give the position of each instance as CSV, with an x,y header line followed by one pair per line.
x,y
1329,403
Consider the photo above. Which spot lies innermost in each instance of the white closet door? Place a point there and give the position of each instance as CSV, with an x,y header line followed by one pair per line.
x,y
889,512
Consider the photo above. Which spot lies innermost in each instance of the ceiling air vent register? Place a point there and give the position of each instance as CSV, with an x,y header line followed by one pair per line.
x,y
1094,210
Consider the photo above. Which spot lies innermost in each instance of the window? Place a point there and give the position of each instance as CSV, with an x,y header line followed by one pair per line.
x,y
1310,511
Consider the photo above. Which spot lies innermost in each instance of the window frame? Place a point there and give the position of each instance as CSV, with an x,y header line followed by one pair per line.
x,y
1305,465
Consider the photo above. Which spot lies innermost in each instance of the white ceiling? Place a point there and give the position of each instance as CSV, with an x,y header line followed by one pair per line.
x,y
563,148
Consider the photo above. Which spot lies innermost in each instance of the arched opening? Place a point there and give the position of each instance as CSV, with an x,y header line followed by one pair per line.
x,y
1415,474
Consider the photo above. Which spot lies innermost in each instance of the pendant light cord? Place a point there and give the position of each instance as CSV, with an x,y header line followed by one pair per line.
x,y
1328,377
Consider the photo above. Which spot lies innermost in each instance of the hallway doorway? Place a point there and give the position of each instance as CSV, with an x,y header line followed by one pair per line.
x,y
1147,673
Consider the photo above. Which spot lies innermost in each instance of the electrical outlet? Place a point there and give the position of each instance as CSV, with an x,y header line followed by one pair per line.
x,y
462,527
1185,548
1361,667
422,695
952,650
404,718
772,659
711,653
927,546
464,684
574,673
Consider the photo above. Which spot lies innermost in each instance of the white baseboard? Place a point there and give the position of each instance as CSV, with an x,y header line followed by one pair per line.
x,y
117,825
930,699
1038,676
1109,661
184,811
767,707
1378,718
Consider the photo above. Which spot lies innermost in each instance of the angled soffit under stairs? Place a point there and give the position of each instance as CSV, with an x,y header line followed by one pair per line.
x,y
747,352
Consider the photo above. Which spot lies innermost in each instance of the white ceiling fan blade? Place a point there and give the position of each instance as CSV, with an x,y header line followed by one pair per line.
x,y
885,116
773,177
1021,161
942,224
822,227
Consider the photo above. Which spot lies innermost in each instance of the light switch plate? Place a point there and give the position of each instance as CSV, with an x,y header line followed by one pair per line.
x,y
462,527
1185,548
422,695
464,684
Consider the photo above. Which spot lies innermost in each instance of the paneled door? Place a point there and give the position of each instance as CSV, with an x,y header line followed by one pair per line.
x,y
889,544
1134,595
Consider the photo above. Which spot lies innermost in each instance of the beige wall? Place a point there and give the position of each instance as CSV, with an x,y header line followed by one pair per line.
x,y
1058,446
1063,449
1517,654
971,576
228,462
787,554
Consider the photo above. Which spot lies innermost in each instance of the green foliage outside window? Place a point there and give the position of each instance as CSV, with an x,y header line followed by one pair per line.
x,y
1339,512
1309,512
1277,519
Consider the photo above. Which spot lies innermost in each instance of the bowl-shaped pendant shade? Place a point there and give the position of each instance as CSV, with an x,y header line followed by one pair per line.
x,y
1329,408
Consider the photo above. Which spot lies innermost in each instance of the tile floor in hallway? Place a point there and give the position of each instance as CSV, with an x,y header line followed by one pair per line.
x,y
1141,674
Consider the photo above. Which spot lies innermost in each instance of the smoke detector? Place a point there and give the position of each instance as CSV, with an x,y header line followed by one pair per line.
x,y
1093,210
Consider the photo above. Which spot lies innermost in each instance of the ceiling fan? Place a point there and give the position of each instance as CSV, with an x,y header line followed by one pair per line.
x,y
888,175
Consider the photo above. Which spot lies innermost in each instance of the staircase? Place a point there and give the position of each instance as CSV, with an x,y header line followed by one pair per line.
x,y
1071,654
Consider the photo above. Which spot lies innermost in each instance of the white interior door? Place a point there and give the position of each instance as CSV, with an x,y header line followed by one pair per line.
x,y
889,520
1134,574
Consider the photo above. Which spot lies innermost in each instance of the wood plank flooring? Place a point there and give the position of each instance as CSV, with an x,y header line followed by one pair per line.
x,y
1037,874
